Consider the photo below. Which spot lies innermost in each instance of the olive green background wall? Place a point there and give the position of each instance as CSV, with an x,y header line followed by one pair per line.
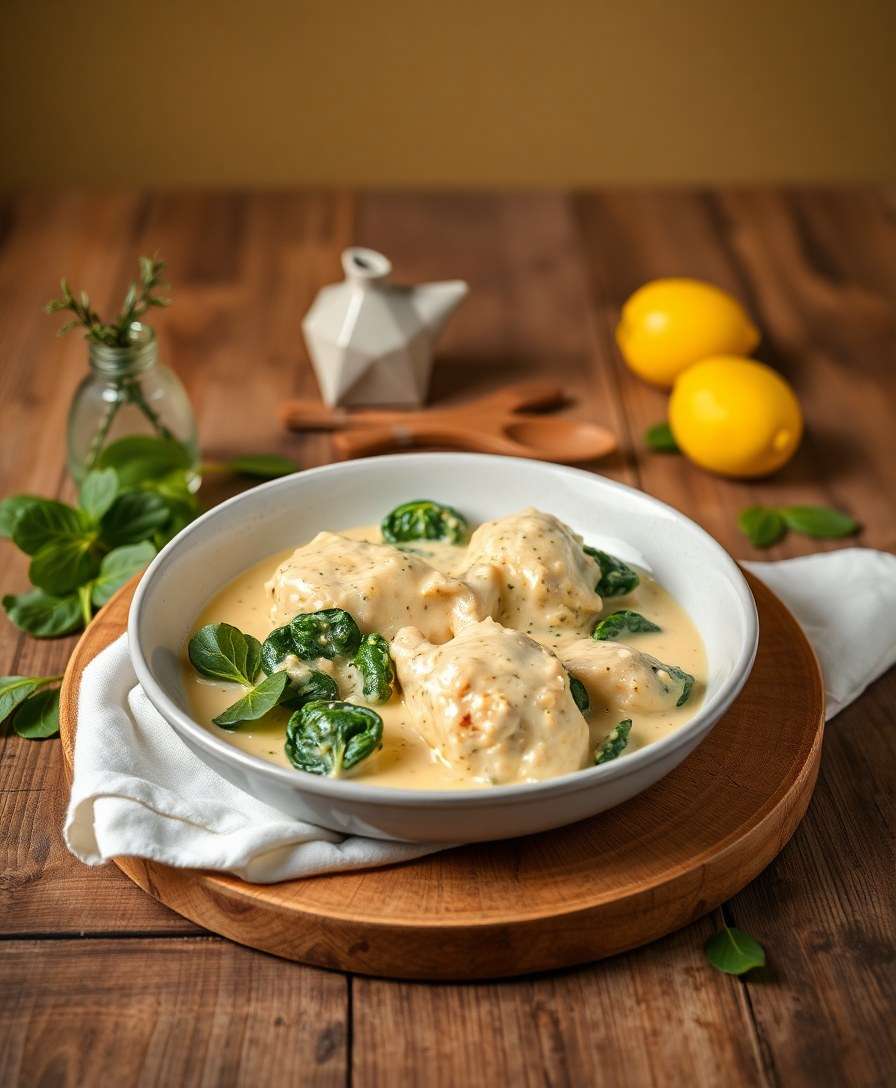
x,y
377,92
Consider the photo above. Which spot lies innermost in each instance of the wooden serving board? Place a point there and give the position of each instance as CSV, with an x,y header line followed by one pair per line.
x,y
564,897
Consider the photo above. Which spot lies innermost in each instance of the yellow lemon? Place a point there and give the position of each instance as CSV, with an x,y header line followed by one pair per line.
x,y
735,416
670,324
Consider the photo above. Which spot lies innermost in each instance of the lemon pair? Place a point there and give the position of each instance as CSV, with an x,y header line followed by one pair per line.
x,y
728,414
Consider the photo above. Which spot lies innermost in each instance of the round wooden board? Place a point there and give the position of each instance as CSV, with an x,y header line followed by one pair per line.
x,y
564,897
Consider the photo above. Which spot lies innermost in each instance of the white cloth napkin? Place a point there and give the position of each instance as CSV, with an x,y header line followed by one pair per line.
x,y
138,790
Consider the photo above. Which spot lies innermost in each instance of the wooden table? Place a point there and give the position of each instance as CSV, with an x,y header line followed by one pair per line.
x,y
100,983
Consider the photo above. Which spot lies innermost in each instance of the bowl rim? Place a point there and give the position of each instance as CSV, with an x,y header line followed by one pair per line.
x,y
361,793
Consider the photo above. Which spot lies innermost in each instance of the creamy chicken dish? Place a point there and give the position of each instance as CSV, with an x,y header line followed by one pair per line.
x,y
416,654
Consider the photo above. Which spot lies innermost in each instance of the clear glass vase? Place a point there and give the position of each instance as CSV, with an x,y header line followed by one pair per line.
x,y
128,392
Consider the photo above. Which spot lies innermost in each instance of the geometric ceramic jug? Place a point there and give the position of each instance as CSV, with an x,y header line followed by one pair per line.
x,y
371,342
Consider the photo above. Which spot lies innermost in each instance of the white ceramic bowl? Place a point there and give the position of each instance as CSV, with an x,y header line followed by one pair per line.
x,y
289,511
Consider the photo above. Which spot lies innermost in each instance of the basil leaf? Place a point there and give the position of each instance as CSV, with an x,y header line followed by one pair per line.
x,y
141,457
331,737
255,703
615,744
16,689
579,694
624,621
734,952
117,567
133,517
38,717
59,568
12,508
660,439
222,652
616,578
818,521
267,466
46,521
44,616
98,492
763,526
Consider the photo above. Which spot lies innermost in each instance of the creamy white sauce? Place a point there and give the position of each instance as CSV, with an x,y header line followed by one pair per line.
x,y
407,760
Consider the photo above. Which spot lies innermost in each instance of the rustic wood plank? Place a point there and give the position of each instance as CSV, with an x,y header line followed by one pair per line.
x,y
190,1011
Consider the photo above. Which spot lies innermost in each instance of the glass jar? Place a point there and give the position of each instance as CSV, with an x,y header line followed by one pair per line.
x,y
128,392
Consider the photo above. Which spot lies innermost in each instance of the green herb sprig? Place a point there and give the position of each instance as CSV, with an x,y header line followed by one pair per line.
x,y
766,525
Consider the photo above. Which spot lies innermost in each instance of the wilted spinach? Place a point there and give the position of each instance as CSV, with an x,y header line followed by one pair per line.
x,y
616,578
684,679
579,694
374,663
423,519
329,633
329,737
624,621
615,743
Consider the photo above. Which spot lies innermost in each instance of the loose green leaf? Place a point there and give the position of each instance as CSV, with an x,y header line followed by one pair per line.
x,y
266,466
255,703
14,690
133,517
44,616
38,717
61,567
329,633
763,526
331,737
734,952
612,626
615,744
616,578
46,521
140,457
580,694
12,508
818,521
660,439
423,519
117,567
222,652
374,663
98,492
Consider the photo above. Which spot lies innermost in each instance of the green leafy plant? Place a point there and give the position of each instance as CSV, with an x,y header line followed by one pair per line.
x,y
305,684
257,701
625,621
329,633
734,952
615,743
329,737
616,578
766,525
263,466
374,662
660,439
221,651
423,519
31,703
579,694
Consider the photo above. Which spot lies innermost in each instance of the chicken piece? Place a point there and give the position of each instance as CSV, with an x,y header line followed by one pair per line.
x,y
492,703
536,567
382,587
617,676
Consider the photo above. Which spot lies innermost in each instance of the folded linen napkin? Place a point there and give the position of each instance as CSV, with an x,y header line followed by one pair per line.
x,y
138,790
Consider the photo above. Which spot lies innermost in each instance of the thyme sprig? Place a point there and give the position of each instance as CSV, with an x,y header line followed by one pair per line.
x,y
141,296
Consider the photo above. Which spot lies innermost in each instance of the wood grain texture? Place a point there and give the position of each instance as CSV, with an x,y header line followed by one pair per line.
x,y
548,272
565,897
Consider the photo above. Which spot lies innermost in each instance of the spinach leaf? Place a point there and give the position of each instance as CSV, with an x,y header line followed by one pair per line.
x,y
818,521
304,684
44,616
328,737
660,439
612,626
316,685
38,717
133,517
12,508
222,652
117,567
423,519
374,663
14,690
46,521
98,492
61,567
734,952
764,527
579,694
141,457
615,743
616,578
681,678
278,645
328,633
255,703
